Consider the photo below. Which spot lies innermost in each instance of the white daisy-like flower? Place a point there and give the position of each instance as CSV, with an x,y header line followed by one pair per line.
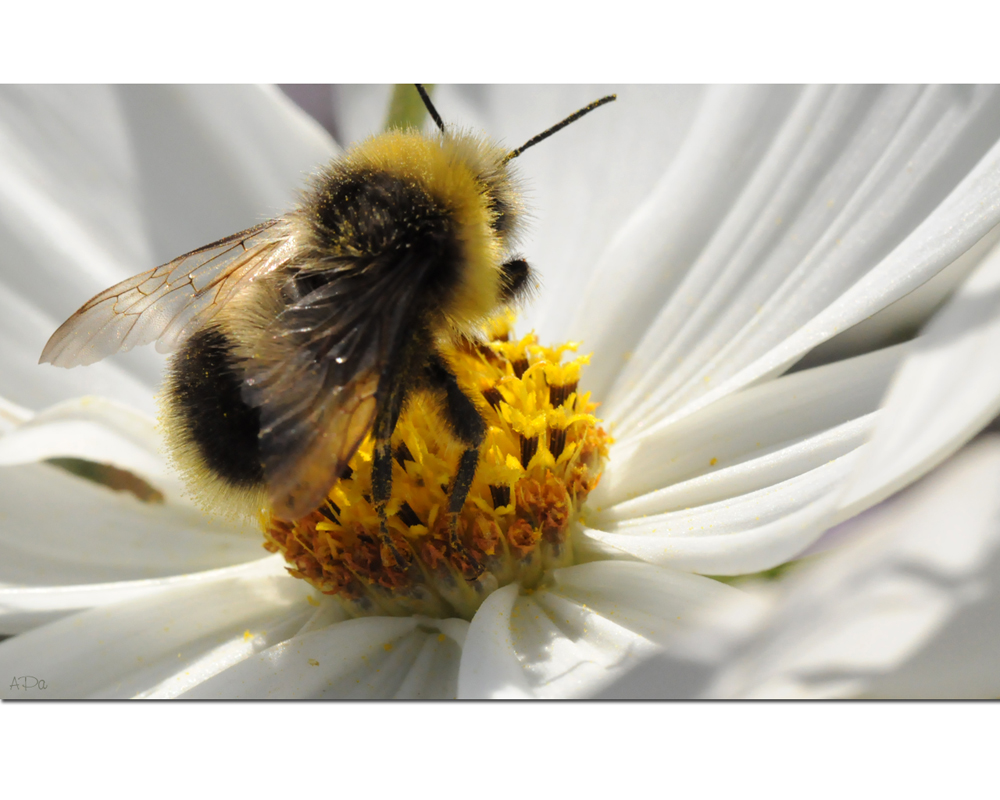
x,y
904,606
700,242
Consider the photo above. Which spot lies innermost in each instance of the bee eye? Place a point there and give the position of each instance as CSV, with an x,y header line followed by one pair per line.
x,y
515,278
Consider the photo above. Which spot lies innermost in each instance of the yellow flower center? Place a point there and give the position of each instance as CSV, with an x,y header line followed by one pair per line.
x,y
542,456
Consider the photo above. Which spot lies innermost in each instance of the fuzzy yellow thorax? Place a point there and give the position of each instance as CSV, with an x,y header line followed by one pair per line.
x,y
449,169
542,456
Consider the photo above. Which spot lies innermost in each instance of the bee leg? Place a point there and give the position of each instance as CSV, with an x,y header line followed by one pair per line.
x,y
469,428
385,423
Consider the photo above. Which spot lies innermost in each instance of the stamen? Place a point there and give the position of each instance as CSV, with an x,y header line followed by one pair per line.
x,y
515,525
408,515
558,395
493,396
500,495
403,454
488,354
557,441
529,446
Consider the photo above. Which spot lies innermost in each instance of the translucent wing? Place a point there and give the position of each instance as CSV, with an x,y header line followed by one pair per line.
x,y
300,469
170,302
326,366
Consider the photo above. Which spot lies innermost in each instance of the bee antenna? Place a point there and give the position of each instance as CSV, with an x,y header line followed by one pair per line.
x,y
430,106
558,127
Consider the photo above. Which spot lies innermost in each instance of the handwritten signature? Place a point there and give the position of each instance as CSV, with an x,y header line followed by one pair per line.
x,y
26,682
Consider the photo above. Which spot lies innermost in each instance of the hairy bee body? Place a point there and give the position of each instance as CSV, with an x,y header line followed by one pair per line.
x,y
295,339
439,212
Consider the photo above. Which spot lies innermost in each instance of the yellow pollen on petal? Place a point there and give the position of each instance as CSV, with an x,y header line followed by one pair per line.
x,y
542,455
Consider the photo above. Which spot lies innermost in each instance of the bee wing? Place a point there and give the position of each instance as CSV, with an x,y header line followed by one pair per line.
x,y
316,379
300,468
168,303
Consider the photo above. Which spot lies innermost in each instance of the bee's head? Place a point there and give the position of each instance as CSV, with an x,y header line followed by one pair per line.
x,y
500,196
499,185
491,164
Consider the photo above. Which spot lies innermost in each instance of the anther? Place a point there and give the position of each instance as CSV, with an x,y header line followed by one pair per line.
x,y
403,454
408,515
529,446
330,511
500,495
560,394
557,441
493,397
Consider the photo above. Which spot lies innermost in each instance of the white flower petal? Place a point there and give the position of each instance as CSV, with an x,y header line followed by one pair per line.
x,y
157,645
94,429
328,612
59,529
367,658
491,665
741,535
25,607
99,183
743,477
906,608
12,415
723,141
864,195
946,390
596,622
784,449
747,425
904,317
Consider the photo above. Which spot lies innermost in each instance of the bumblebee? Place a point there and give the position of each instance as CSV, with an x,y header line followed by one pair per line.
x,y
295,338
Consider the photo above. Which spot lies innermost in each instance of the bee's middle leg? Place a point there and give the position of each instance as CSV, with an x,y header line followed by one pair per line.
x,y
469,428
